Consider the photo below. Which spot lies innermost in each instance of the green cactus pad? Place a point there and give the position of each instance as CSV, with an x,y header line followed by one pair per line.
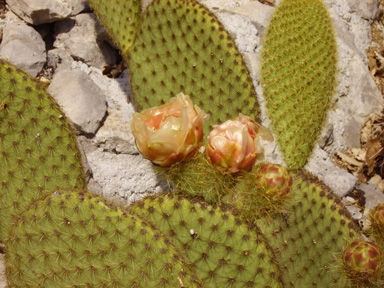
x,y
38,152
120,18
198,177
182,47
298,75
224,251
311,236
73,239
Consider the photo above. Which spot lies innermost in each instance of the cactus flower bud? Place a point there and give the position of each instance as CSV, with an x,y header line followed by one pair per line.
x,y
275,179
169,133
377,216
362,260
236,144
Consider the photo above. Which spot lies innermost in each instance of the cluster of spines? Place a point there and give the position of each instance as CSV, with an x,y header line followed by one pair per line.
x,y
120,19
224,251
182,47
74,239
311,235
255,198
199,178
298,75
38,151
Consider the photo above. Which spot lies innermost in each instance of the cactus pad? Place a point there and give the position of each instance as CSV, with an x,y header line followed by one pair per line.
x,y
38,152
298,75
120,19
74,239
224,251
311,235
182,47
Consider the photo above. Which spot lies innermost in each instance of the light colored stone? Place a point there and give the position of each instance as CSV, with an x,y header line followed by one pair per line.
x,y
81,99
38,12
3,282
340,181
242,31
23,47
85,39
355,212
59,59
223,4
126,176
367,9
373,195
256,12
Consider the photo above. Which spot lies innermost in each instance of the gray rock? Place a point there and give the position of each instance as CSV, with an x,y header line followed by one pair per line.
x,y
3,283
373,195
355,212
85,39
340,181
23,47
123,176
38,12
257,12
81,99
367,9
59,59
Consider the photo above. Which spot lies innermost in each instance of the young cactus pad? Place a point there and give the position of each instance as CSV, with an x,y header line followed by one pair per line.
x,y
74,239
224,251
120,18
182,47
298,75
38,152
311,235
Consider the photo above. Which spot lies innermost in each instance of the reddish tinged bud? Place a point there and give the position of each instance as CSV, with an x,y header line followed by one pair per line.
x,y
362,260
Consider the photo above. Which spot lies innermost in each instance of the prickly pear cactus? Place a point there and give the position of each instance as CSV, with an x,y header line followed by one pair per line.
x,y
311,236
263,192
298,75
182,47
120,18
38,152
224,251
74,239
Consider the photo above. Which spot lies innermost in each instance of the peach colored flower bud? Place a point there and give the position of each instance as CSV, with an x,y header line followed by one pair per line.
x,y
169,133
236,144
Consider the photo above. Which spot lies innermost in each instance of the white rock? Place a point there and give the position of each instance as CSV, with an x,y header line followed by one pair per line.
x,y
23,47
59,59
37,12
355,212
257,12
127,176
81,99
3,283
222,4
85,39
340,181
367,9
373,195
242,31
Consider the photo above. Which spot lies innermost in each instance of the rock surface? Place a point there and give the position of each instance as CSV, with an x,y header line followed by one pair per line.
x,y
81,99
85,39
24,47
38,12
